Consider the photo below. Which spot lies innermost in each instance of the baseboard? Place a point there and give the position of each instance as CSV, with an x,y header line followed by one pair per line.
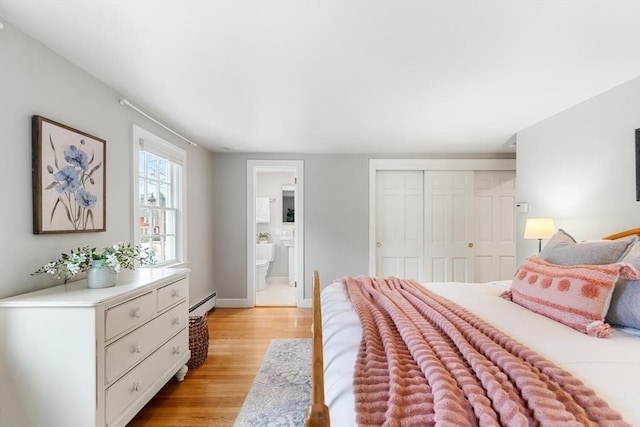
x,y
307,303
204,305
244,303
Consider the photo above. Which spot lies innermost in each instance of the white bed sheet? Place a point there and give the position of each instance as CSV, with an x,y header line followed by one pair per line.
x,y
611,366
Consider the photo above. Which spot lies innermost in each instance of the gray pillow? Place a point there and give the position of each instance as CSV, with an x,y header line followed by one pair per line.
x,y
633,256
562,249
625,301
625,304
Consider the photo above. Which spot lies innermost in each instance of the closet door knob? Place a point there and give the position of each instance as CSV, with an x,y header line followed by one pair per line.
x,y
470,245
378,244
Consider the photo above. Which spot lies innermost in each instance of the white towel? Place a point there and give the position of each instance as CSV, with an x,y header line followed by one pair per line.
x,y
263,210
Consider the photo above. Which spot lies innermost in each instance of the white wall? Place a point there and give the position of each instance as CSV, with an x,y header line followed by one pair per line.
x,y
36,81
335,209
578,167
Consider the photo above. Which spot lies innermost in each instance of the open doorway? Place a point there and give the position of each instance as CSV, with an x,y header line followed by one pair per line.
x,y
275,232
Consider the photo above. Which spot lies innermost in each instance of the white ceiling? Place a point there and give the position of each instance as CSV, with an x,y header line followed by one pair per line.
x,y
345,76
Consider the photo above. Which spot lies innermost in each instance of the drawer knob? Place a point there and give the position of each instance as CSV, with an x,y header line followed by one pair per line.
x,y
175,293
136,386
135,348
175,320
135,312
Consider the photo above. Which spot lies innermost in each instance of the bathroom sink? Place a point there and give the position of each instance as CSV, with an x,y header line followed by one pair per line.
x,y
288,241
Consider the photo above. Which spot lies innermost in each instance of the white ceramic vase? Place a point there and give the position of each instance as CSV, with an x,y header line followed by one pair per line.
x,y
100,275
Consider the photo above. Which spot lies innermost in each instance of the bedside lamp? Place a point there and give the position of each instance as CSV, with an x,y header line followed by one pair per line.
x,y
539,228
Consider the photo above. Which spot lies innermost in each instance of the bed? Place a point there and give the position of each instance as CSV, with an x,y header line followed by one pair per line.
x,y
609,366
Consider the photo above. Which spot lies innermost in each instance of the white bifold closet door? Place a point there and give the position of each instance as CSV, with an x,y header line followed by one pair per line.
x,y
449,229
442,226
399,224
495,238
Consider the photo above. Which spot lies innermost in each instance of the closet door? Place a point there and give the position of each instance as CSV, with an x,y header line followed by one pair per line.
x,y
495,242
449,226
399,224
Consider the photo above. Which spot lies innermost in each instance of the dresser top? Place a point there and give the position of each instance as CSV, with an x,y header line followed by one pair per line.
x,y
76,294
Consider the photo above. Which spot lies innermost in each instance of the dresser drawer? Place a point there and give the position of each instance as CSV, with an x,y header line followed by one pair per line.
x,y
171,294
132,386
129,314
135,346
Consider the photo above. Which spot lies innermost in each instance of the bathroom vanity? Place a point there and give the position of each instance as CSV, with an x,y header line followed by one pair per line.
x,y
289,243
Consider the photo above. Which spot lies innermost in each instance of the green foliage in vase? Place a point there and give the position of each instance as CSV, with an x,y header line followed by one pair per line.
x,y
117,257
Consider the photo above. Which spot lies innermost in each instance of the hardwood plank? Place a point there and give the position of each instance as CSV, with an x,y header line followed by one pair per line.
x,y
212,394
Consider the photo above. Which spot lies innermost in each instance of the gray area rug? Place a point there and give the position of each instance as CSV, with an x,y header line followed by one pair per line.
x,y
281,391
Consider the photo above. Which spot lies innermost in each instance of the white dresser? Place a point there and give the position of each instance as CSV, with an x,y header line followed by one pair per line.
x,y
73,356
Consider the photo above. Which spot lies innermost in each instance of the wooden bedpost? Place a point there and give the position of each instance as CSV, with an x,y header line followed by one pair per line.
x,y
318,412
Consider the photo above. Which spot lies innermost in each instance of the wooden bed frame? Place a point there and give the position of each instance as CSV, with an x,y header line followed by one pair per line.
x,y
622,234
318,412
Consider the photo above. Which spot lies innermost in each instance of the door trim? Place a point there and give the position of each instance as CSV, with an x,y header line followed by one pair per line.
x,y
252,169
420,164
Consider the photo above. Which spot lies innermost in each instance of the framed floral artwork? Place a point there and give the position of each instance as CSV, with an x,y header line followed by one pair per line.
x,y
69,179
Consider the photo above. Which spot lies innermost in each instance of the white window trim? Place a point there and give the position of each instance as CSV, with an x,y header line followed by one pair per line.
x,y
156,145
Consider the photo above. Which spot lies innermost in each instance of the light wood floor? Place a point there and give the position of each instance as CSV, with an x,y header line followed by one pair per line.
x,y
212,394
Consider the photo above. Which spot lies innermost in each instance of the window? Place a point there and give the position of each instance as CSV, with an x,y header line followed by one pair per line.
x,y
159,196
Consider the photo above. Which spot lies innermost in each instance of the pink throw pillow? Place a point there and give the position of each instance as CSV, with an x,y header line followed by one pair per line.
x,y
577,296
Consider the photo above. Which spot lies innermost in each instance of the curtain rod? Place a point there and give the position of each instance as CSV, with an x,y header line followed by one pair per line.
x,y
124,101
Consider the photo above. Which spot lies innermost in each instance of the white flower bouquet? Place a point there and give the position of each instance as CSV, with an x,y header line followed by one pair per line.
x,y
117,257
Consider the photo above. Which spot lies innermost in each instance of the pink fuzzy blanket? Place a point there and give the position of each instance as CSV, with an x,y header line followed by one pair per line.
x,y
424,360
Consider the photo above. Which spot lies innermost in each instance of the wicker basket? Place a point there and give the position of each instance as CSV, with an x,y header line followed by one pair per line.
x,y
198,340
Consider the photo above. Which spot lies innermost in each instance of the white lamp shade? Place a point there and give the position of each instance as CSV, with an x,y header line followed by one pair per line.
x,y
539,228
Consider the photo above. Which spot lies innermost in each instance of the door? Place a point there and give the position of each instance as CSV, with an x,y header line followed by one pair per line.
x,y
467,208
294,234
449,226
399,224
495,242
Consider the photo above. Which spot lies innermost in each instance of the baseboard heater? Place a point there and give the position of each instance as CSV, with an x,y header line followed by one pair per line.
x,y
205,304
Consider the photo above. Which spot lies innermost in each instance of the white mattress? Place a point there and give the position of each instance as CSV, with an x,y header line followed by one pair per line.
x,y
611,366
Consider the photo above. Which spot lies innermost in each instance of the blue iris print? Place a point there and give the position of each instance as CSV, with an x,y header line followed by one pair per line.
x,y
85,199
73,181
68,179
76,157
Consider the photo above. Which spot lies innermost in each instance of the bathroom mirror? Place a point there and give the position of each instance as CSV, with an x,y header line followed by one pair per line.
x,y
288,203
